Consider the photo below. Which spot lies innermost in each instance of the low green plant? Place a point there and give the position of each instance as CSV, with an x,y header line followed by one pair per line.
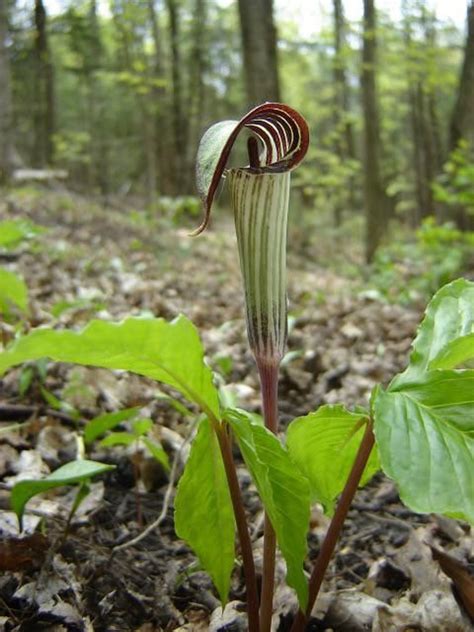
x,y
410,270
13,290
419,429
76,472
455,186
13,295
14,231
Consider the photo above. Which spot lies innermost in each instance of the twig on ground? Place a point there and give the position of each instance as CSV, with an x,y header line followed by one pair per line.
x,y
16,412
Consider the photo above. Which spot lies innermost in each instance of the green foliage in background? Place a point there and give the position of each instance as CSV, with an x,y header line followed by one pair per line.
x,y
408,270
455,187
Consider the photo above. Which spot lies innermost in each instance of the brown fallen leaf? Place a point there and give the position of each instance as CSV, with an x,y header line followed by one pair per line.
x,y
20,554
461,577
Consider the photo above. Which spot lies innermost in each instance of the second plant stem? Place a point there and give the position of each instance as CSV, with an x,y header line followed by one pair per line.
x,y
336,525
225,445
268,372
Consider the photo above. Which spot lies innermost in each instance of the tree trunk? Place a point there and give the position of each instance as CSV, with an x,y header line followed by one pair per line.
x,y
98,146
198,62
163,175
6,123
376,202
44,112
179,122
344,138
462,120
259,46
340,81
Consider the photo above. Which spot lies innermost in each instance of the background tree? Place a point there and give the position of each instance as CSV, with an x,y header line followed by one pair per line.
x,y
345,148
376,201
44,102
259,47
462,120
6,122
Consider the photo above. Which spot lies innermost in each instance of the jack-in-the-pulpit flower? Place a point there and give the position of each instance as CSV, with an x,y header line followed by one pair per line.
x,y
260,200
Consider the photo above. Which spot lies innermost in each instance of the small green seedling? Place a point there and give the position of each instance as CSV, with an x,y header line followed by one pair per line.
x,y
79,471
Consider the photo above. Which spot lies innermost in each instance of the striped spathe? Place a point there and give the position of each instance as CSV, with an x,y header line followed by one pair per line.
x,y
260,202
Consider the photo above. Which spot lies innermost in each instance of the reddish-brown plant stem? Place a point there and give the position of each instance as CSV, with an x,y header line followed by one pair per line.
x,y
336,525
242,528
268,372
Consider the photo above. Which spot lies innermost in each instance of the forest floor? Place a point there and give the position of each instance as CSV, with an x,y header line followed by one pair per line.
x,y
107,263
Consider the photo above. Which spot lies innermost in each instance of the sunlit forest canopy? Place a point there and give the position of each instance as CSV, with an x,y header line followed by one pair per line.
x,y
117,95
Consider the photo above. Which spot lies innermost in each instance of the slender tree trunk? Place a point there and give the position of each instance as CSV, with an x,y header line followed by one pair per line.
x,y
340,80
179,121
44,113
197,93
462,119
376,202
99,176
259,46
159,112
345,137
6,123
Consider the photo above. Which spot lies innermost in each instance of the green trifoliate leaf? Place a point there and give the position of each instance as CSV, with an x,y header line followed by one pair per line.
x,y
324,444
425,436
260,204
169,352
13,292
78,471
283,490
445,336
203,510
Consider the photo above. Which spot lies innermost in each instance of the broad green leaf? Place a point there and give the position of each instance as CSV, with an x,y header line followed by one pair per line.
x,y
169,352
425,436
449,318
118,438
324,444
75,472
283,490
203,510
13,291
107,421
157,452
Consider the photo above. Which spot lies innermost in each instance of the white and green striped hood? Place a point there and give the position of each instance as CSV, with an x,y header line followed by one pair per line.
x,y
260,202
260,195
